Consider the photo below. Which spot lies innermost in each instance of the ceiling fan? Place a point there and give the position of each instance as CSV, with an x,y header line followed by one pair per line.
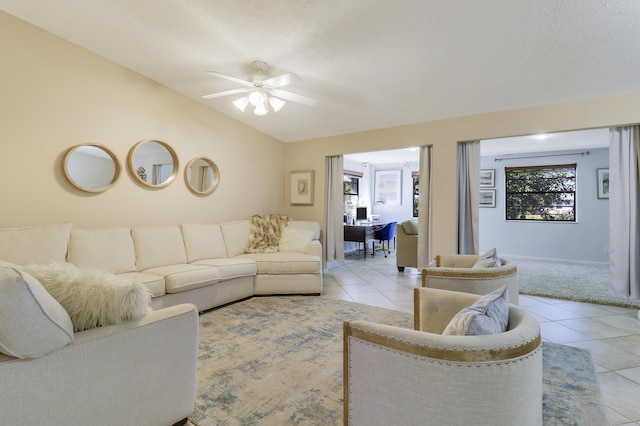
x,y
263,93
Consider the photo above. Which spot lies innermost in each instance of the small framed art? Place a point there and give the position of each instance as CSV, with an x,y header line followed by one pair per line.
x,y
487,198
603,183
301,187
487,178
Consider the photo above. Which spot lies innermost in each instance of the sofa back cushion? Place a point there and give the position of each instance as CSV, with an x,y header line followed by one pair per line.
x,y
203,242
235,236
307,225
37,244
158,246
108,249
32,322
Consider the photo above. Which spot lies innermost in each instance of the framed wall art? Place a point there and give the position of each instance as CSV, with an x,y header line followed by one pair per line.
x,y
301,188
603,183
487,178
487,198
388,186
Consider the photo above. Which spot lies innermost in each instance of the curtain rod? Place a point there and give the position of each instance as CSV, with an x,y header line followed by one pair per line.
x,y
559,154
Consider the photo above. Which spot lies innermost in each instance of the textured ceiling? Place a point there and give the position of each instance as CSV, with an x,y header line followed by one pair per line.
x,y
370,64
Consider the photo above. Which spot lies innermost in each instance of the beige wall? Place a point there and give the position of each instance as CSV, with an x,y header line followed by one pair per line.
x,y
444,135
54,95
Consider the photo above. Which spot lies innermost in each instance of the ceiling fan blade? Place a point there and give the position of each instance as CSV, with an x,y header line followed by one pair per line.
x,y
293,97
226,93
282,80
228,77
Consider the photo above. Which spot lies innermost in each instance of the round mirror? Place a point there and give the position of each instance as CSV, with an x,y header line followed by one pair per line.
x,y
153,163
91,167
201,176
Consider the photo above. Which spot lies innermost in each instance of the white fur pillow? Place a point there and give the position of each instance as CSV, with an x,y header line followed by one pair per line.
x,y
295,239
92,297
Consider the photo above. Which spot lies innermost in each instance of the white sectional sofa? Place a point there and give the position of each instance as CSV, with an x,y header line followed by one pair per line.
x,y
141,371
203,264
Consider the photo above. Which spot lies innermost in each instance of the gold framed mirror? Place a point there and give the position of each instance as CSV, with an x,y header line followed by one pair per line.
x,y
201,175
91,167
153,163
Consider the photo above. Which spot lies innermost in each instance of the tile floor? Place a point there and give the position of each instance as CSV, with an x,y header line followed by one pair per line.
x,y
612,334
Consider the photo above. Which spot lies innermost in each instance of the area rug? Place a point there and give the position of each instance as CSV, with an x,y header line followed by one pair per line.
x,y
582,282
278,361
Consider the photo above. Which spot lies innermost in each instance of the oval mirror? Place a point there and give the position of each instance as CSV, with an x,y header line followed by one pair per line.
x,y
153,163
91,167
201,176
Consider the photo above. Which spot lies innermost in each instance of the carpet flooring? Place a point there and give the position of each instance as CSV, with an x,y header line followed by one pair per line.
x,y
581,282
278,361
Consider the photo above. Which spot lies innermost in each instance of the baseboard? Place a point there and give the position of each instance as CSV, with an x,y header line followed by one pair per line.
x,y
546,259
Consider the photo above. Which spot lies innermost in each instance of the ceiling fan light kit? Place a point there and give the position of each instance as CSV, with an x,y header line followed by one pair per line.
x,y
264,95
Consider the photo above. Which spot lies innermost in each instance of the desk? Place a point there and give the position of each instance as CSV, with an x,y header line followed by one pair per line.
x,y
362,233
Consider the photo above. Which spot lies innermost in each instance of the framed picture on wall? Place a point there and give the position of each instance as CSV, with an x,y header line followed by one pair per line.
x,y
487,178
487,198
388,187
603,183
301,188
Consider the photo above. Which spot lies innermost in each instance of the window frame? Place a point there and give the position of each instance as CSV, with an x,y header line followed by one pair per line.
x,y
560,204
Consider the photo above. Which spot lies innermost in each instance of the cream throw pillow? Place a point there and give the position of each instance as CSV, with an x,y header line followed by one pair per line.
x,y
32,322
489,315
488,259
295,240
92,297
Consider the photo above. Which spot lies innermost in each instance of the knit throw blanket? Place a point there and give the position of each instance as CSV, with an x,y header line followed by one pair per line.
x,y
264,233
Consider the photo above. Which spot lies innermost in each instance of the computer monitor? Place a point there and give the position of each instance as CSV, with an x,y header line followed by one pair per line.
x,y
361,213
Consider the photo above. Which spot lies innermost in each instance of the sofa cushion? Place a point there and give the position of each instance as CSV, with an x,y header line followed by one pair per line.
x,y
489,315
36,244
32,322
235,236
108,249
158,246
179,278
265,232
231,268
92,297
410,227
307,225
489,259
295,239
153,283
285,263
203,242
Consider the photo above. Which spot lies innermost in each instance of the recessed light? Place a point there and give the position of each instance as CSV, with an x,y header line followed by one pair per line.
x,y
542,136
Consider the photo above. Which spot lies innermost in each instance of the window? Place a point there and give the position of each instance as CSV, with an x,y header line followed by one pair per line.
x,y
415,176
543,193
351,191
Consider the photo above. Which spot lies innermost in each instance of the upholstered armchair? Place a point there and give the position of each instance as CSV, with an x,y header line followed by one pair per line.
x,y
456,272
401,376
407,244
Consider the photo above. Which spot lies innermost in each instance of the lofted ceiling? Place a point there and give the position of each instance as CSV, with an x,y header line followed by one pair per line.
x,y
369,64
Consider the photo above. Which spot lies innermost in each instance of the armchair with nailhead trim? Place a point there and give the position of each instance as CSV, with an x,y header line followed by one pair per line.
x,y
395,375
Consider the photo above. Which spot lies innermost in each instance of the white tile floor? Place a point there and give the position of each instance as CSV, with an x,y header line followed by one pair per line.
x,y
612,334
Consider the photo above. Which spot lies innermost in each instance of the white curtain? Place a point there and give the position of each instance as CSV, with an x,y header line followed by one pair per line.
x,y
334,236
424,208
468,187
624,221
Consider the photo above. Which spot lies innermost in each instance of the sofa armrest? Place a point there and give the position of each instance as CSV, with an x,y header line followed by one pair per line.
x,y
141,372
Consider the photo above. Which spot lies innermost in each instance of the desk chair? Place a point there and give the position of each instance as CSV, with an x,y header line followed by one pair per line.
x,y
386,233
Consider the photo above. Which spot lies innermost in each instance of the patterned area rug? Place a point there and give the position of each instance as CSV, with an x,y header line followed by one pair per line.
x,y
278,361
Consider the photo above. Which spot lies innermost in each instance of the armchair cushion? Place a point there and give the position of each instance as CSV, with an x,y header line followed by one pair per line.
x,y
488,259
489,315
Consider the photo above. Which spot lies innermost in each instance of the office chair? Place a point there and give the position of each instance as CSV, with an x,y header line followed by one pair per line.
x,y
383,234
